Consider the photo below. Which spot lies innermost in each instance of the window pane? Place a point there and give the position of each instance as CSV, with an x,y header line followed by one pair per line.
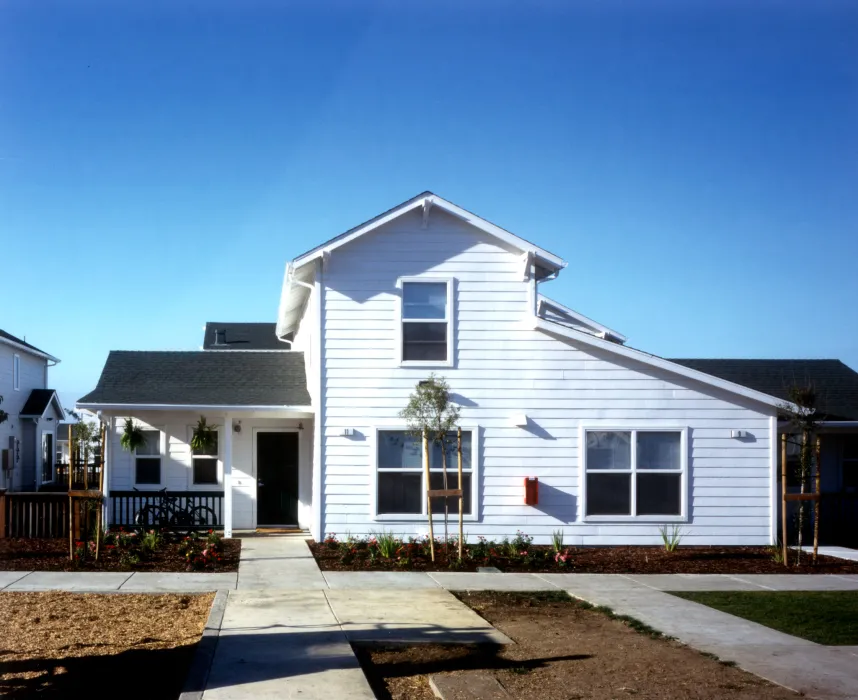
x,y
424,341
659,450
148,470
424,300
608,450
399,493
452,452
152,446
436,479
609,494
398,449
47,457
659,494
210,451
205,471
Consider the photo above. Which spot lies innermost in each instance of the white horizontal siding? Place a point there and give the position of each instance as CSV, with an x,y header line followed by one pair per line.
x,y
503,368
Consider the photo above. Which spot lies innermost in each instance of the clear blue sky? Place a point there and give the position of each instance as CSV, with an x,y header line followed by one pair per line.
x,y
696,163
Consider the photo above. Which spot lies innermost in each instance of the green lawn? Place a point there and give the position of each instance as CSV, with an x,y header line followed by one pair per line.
x,y
824,617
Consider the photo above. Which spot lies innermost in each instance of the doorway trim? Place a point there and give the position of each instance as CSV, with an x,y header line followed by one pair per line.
x,y
253,449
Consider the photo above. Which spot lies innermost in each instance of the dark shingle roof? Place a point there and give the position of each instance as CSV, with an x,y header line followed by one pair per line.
x,y
202,379
14,339
37,402
242,336
836,384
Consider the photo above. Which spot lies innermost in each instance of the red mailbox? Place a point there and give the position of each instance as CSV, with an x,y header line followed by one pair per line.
x,y
531,491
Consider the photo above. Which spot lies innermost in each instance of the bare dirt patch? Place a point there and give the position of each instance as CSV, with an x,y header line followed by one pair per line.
x,y
30,554
563,651
65,645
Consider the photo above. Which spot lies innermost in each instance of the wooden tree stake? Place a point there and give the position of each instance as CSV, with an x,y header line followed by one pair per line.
x,y
461,494
818,456
783,498
71,499
428,496
100,514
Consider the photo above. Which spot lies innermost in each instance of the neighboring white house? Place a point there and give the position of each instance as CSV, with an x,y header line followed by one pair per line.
x,y
620,440
27,436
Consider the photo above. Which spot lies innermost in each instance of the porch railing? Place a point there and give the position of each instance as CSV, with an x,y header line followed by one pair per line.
x,y
35,514
83,475
207,506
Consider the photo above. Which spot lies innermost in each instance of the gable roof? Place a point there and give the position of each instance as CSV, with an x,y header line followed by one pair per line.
x,y
557,329
836,383
300,272
242,336
9,339
38,401
200,379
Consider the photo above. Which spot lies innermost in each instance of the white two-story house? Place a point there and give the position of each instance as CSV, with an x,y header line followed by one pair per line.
x,y
307,409
31,413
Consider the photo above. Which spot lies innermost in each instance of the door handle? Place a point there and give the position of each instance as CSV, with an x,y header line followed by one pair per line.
x,y
260,483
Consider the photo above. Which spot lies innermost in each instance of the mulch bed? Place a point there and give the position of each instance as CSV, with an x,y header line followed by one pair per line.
x,y
24,554
604,560
563,651
75,645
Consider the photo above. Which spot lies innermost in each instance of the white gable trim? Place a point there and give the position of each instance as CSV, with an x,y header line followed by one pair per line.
x,y
27,349
426,202
581,318
556,329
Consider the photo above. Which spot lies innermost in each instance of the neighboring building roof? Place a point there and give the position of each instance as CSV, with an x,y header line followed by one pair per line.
x,y
10,339
38,401
242,336
200,379
836,384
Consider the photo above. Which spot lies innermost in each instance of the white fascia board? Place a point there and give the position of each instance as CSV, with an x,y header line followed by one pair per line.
x,y
582,318
55,399
466,216
586,339
31,351
187,407
293,301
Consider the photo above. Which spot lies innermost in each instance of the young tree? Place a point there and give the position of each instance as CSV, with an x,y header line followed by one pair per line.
x,y
431,416
803,418
3,415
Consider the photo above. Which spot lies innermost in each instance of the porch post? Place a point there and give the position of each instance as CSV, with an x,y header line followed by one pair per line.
x,y
227,476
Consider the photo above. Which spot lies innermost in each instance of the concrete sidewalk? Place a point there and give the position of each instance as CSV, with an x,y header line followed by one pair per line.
x,y
816,670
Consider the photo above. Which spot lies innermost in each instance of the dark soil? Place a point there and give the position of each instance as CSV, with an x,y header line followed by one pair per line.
x,y
600,560
563,650
24,554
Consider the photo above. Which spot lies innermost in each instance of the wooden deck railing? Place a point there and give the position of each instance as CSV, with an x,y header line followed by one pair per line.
x,y
207,507
83,475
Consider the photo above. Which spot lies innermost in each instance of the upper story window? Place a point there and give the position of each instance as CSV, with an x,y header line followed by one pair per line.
x,y
634,473
427,329
16,372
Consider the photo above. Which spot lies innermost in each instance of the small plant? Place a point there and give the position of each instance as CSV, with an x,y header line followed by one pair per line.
x,y
204,438
3,415
132,436
128,559
557,541
150,542
386,543
331,541
671,537
564,558
776,552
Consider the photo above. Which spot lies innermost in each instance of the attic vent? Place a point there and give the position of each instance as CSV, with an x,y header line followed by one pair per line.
x,y
220,337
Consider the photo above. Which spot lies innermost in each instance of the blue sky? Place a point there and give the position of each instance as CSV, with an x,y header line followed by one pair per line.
x,y
696,162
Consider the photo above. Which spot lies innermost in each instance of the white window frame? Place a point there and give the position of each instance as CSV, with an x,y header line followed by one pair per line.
x,y
634,428
16,372
452,470
449,320
162,450
192,486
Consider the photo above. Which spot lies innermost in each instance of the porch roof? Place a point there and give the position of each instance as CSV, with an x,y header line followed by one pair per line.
x,y
166,380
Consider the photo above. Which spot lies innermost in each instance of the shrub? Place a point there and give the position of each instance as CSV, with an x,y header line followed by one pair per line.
x,y
149,543
671,537
331,541
563,559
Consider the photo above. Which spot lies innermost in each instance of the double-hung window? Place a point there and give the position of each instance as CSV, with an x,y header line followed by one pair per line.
x,y
634,473
147,459
400,478
427,327
205,463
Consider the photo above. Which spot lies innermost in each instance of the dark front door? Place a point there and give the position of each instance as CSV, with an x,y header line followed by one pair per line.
x,y
277,478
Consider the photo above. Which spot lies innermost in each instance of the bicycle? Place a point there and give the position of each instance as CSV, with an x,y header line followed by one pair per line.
x,y
167,513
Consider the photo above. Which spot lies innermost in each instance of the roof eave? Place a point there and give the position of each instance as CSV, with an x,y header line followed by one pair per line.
x,y
96,406
30,350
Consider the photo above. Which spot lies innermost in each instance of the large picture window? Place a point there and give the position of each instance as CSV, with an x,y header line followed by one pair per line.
x,y
147,459
401,479
634,473
426,322
205,463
